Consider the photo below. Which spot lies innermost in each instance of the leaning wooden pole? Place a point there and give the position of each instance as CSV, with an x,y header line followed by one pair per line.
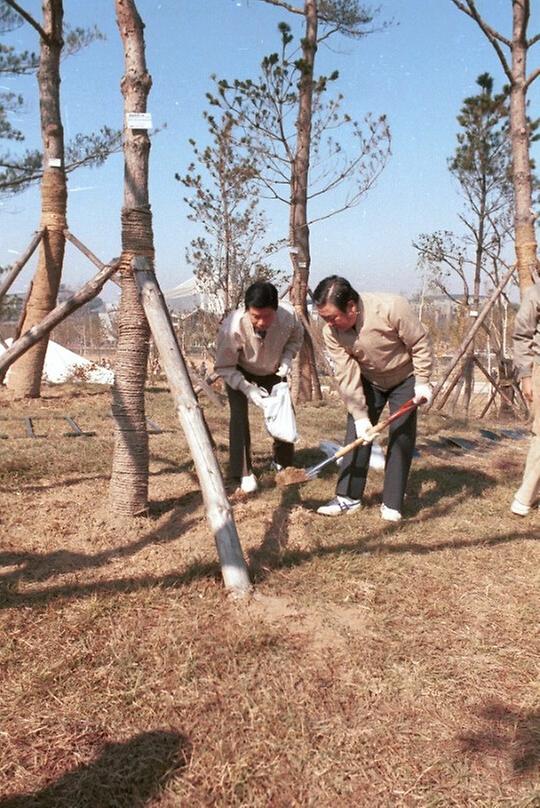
x,y
16,268
218,510
87,252
494,383
441,399
63,310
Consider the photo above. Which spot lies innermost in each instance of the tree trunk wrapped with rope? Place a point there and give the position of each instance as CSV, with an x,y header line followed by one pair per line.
x,y
25,376
129,478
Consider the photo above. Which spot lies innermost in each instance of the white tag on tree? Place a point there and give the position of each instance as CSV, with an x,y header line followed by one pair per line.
x,y
139,120
55,162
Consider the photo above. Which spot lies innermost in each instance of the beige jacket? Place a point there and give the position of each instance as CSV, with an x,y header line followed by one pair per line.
x,y
526,336
388,344
237,344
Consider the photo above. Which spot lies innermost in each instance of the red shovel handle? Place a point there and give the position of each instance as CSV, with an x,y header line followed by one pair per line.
x,y
409,405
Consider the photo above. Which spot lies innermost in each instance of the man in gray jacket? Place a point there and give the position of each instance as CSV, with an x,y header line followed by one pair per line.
x,y
527,364
381,353
255,349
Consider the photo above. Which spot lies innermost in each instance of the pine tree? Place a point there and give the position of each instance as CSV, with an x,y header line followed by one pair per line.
x,y
519,83
481,164
224,201
290,128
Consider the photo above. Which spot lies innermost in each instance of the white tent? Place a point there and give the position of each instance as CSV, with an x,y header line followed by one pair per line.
x,y
188,297
62,365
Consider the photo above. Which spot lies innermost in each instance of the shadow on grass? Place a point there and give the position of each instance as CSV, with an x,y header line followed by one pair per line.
x,y
451,482
267,557
198,571
511,731
372,545
434,491
42,566
271,554
125,775
450,487
169,467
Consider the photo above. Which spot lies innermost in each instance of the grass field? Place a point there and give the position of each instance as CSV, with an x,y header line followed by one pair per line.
x,y
375,665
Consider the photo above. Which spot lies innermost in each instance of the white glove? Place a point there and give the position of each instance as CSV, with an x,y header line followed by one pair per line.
x,y
363,426
283,370
423,391
256,395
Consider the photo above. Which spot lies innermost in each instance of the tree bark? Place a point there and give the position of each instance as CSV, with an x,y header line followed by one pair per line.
x,y
25,377
129,478
516,72
525,236
305,380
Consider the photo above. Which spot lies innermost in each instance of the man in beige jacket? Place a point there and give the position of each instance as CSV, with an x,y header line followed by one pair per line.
x,y
381,353
527,363
255,349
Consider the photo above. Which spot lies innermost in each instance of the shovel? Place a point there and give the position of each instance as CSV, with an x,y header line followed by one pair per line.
x,y
292,475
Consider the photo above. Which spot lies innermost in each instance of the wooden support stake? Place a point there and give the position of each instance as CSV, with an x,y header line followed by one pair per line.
x,y
29,426
76,432
495,384
218,510
18,265
489,403
87,252
203,385
22,313
468,340
34,334
213,377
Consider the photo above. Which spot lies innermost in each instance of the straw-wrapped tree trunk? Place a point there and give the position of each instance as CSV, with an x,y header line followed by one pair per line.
x,y
25,376
129,484
129,480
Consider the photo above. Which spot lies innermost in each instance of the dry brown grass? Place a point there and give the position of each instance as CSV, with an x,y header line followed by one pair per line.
x,y
376,665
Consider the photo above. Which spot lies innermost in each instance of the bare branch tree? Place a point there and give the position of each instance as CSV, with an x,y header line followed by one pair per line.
x,y
515,71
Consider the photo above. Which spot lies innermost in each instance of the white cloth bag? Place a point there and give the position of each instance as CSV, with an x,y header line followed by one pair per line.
x,y
279,416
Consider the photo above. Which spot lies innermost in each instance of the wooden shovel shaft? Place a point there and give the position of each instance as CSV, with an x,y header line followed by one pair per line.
x,y
305,475
409,405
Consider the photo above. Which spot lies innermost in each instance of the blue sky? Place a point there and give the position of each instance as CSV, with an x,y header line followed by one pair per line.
x,y
417,72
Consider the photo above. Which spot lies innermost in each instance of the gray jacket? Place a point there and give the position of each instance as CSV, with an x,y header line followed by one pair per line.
x,y
526,336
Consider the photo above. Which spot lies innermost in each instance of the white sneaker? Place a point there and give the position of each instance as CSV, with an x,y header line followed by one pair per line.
x,y
390,514
249,484
519,508
339,505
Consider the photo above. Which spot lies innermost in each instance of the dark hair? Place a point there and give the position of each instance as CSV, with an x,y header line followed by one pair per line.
x,y
336,291
261,295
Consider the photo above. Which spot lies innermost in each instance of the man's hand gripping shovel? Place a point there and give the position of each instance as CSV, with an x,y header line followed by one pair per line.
x,y
291,475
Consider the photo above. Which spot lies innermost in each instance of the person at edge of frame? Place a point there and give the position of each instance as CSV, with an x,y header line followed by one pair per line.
x,y
526,344
381,353
255,349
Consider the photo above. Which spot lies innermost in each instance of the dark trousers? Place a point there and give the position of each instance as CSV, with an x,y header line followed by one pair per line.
x,y
239,434
401,442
